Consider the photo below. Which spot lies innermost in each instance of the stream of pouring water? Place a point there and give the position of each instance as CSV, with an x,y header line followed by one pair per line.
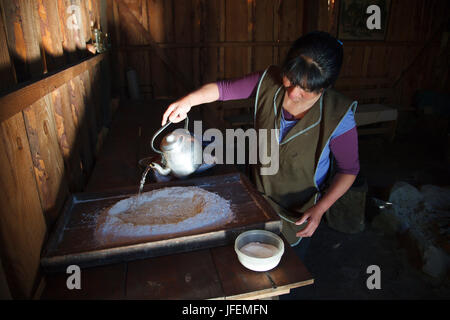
x,y
141,187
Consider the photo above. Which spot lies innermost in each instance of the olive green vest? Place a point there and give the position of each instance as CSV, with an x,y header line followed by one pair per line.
x,y
299,150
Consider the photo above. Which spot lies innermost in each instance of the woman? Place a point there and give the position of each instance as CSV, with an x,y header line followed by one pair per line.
x,y
316,126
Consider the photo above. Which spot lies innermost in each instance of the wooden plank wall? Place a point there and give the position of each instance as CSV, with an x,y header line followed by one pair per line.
x,y
213,39
405,59
47,150
206,40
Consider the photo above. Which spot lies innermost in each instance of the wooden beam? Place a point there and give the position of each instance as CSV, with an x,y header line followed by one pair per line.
x,y
215,44
133,24
18,100
220,44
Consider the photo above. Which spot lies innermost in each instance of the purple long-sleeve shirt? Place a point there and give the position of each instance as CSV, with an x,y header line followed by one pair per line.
x,y
344,145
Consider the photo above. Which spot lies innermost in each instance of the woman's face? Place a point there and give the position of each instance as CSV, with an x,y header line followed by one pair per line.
x,y
297,94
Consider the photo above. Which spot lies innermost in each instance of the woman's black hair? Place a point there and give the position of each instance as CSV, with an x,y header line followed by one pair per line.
x,y
314,61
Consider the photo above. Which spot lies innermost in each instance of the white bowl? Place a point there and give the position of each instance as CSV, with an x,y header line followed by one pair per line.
x,y
263,236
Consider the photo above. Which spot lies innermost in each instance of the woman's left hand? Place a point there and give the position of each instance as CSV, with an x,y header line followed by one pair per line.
x,y
314,215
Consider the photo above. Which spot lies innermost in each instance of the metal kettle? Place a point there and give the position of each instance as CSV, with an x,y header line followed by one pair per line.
x,y
181,153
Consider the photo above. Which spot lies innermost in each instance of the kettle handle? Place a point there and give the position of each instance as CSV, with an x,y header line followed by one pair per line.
x,y
186,125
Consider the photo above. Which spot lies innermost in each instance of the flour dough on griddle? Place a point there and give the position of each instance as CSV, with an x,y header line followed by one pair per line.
x,y
163,211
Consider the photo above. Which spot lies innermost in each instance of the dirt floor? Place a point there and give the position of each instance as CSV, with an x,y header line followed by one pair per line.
x,y
339,261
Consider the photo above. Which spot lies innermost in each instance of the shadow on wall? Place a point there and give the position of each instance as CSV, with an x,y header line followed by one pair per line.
x,y
63,130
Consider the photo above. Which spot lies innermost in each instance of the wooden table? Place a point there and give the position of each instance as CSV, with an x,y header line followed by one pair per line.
x,y
213,273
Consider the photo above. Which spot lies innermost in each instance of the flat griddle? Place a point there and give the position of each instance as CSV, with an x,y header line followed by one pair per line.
x,y
75,241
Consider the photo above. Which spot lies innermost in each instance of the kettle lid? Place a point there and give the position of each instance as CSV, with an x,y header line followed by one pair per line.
x,y
171,141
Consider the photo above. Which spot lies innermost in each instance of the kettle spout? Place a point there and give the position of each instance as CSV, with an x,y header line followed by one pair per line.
x,y
162,171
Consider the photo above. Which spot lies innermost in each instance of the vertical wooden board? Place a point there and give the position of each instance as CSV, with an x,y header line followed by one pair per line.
x,y
156,20
378,62
395,25
184,58
23,38
210,56
90,11
133,37
236,29
183,23
7,72
235,62
78,114
211,65
353,61
211,20
5,293
140,62
236,24
86,20
116,55
222,36
95,77
392,33
135,7
51,38
161,29
394,69
89,103
183,11
66,22
32,37
144,14
162,54
366,61
66,134
47,159
288,16
65,127
197,36
263,55
161,20
94,11
79,32
113,22
283,50
264,20
421,7
250,34
436,14
334,14
276,29
405,18
161,83
22,224
429,20
414,27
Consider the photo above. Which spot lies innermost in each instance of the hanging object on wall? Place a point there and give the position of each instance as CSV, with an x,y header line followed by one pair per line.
x,y
363,19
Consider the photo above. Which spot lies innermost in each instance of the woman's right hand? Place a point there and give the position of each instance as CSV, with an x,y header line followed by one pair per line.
x,y
177,111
